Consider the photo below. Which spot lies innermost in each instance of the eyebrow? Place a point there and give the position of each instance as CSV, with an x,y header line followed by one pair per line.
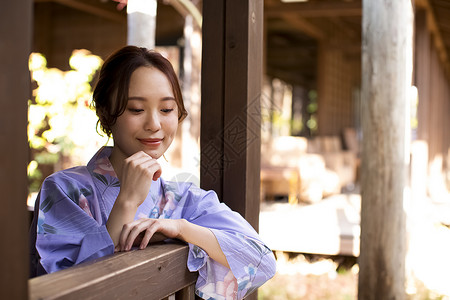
x,y
167,98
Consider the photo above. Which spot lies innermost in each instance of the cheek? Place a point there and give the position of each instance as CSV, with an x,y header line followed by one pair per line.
x,y
172,126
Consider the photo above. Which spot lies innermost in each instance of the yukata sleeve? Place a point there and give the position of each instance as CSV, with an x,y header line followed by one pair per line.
x,y
67,233
251,262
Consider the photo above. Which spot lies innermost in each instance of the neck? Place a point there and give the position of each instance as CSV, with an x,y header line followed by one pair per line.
x,y
116,158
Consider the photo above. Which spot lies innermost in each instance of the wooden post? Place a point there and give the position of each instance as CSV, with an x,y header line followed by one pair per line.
x,y
15,37
386,80
231,91
422,74
141,19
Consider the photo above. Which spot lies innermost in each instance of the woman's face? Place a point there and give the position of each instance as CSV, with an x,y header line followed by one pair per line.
x,y
150,120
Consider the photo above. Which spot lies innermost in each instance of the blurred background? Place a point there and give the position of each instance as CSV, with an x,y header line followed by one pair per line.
x,y
310,127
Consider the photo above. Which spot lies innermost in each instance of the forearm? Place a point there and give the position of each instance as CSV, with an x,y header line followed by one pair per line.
x,y
122,213
203,238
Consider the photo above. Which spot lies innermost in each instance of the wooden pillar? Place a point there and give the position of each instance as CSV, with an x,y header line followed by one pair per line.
x,y
230,114
141,19
15,37
386,80
422,74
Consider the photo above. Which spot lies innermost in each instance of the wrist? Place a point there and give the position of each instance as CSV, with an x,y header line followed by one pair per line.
x,y
126,202
182,229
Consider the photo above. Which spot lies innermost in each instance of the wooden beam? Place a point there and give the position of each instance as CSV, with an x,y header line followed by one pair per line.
x,y
291,77
346,29
292,63
153,273
92,7
15,90
386,80
315,9
305,26
231,92
187,7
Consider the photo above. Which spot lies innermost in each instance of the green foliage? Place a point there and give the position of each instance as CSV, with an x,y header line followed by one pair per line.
x,y
61,123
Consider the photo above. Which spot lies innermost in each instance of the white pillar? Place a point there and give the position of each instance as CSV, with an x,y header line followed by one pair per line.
x,y
141,23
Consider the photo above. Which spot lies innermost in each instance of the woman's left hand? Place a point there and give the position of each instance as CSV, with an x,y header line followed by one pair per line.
x,y
141,232
144,229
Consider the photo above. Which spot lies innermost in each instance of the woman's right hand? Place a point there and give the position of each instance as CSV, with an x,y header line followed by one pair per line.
x,y
138,172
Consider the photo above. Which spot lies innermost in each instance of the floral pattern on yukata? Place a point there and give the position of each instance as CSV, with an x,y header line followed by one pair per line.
x,y
78,196
103,166
168,201
231,288
104,171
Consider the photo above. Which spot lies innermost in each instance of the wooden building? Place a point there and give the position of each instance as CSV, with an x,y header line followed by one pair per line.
x,y
313,45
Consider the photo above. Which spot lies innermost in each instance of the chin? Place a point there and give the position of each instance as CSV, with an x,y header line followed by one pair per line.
x,y
154,153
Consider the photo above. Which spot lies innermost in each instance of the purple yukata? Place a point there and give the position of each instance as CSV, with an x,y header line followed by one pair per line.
x,y
75,205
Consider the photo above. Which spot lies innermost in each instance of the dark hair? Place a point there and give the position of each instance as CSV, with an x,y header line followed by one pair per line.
x,y
110,95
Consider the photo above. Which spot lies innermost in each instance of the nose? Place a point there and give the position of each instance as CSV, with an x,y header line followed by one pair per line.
x,y
152,122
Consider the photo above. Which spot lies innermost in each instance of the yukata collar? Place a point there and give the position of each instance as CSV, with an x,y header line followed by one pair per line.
x,y
100,162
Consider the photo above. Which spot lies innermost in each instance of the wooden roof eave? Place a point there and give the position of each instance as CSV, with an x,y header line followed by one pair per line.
x,y
92,7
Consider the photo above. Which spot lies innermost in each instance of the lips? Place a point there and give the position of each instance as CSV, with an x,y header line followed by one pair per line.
x,y
151,142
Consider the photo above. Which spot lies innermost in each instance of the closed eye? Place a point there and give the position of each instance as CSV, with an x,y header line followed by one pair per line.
x,y
135,110
167,110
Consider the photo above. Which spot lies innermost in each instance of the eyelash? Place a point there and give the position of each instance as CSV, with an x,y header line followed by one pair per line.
x,y
165,110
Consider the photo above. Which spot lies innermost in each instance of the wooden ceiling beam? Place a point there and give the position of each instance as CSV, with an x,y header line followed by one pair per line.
x,y
291,50
315,9
347,30
186,7
293,63
92,7
306,27
291,77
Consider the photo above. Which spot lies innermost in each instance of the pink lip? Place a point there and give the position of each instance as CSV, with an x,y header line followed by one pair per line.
x,y
150,142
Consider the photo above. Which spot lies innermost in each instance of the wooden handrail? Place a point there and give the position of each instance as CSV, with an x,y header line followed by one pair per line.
x,y
153,273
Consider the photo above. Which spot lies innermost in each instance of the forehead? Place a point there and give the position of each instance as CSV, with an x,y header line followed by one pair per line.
x,y
149,79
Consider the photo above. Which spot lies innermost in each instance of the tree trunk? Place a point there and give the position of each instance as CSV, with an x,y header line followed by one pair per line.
x,y
386,81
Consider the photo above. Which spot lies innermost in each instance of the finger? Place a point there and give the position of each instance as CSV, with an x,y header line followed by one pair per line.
x,y
145,163
134,233
157,174
137,241
146,239
153,168
124,235
140,226
136,161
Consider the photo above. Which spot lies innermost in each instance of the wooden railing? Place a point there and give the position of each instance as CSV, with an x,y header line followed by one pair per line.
x,y
157,272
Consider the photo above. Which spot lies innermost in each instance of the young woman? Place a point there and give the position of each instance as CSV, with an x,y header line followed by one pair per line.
x,y
119,199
